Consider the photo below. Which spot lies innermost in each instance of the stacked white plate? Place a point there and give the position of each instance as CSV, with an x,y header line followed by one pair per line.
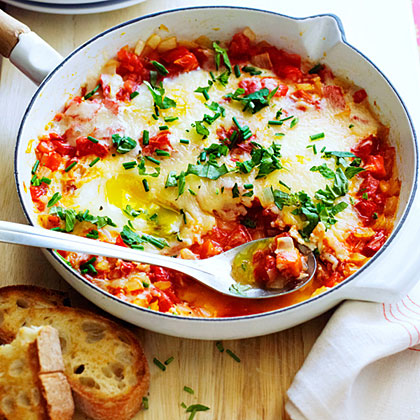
x,y
72,7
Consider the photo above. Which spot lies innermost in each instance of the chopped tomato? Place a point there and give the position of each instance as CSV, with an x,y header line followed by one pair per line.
x,y
252,84
160,141
238,236
369,186
375,165
158,274
51,160
366,146
126,268
373,246
334,96
130,63
359,96
366,209
128,88
181,57
119,241
38,191
86,147
239,47
165,303
210,248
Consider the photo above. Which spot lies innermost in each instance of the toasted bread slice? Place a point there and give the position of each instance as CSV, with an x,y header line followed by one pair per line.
x,y
104,362
15,301
32,384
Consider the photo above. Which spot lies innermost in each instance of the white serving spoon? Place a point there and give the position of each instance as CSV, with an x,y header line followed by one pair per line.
x,y
214,272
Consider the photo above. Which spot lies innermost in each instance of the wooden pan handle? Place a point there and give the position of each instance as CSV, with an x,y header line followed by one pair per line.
x,y
10,29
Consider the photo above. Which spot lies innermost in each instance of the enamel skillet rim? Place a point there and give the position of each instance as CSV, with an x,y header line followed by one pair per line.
x,y
244,318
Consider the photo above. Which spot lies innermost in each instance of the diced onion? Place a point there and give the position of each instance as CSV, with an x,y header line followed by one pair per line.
x,y
167,44
249,34
153,41
139,47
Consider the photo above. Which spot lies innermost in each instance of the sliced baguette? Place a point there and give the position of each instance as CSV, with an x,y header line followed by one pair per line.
x,y
15,301
32,383
104,362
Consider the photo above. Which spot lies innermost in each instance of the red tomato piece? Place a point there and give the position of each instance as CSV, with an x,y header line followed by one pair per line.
x,y
86,147
160,141
375,165
119,241
39,191
165,303
181,57
366,147
373,246
51,160
158,274
250,85
369,186
240,46
238,236
359,96
210,248
130,63
127,268
334,96
366,208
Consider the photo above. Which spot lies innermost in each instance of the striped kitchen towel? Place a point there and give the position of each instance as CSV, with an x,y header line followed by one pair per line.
x,y
364,366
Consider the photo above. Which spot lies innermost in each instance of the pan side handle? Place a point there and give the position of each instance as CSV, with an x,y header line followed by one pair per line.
x,y
26,50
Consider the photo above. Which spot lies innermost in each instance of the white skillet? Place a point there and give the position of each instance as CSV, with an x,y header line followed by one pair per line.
x,y
386,277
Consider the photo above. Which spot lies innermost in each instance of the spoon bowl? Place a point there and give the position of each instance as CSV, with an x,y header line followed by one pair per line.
x,y
214,272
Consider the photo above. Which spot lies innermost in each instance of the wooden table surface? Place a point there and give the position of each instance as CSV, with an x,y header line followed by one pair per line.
x,y
253,389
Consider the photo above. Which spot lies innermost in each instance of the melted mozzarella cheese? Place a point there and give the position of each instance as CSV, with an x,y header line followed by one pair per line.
x,y
110,188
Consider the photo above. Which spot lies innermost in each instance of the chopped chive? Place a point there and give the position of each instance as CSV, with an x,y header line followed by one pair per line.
x,y
94,161
351,125
163,127
375,215
92,92
184,216
170,119
71,166
170,360
145,137
134,94
203,156
159,364
212,76
45,180
236,122
284,185
35,167
279,134
155,117
92,139
275,122
160,68
191,192
184,141
219,346
317,136
162,152
237,71
146,185
206,95
189,390
294,122
152,159
129,165
248,186
54,199
145,402
233,355
323,149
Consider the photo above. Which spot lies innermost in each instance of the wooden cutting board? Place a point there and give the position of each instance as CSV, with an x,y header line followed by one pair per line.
x,y
253,389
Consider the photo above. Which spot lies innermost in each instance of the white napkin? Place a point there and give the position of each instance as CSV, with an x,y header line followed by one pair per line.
x,y
364,366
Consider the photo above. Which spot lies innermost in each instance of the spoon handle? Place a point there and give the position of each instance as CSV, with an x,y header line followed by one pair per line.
x,y
16,233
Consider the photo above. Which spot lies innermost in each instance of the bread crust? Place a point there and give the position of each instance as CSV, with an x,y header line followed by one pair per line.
x,y
94,402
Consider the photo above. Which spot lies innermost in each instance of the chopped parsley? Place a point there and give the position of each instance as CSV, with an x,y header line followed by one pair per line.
x,y
205,90
134,240
324,170
253,71
160,68
221,53
123,144
158,97
54,199
239,289
189,390
237,71
235,190
253,101
134,94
